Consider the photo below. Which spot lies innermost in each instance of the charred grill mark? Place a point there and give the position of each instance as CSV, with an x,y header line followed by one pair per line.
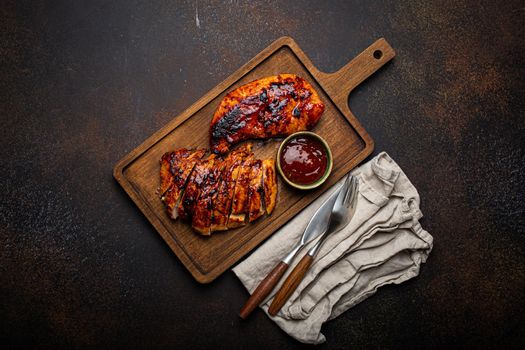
x,y
225,124
304,94
282,88
174,162
272,119
296,111
251,100
238,126
188,201
264,96
277,105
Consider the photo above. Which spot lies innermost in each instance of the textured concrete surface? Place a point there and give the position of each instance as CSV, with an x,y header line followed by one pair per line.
x,y
82,83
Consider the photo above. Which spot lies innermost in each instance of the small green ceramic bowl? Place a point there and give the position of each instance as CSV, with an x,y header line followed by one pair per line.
x,y
329,164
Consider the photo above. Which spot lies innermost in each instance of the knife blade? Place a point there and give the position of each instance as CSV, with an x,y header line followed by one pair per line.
x,y
342,212
317,225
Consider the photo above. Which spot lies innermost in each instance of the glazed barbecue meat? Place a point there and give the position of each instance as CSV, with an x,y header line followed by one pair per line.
x,y
194,186
269,185
202,211
270,107
217,193
223,200
175,168
240,196
255,190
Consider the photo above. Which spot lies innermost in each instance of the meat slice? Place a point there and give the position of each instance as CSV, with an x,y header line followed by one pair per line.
x,y
175,168
223,200
202,210
194,186
166,176
269,107
269,184
255,191
240,197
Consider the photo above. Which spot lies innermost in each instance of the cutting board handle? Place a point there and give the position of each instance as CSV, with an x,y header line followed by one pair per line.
x,y
342,82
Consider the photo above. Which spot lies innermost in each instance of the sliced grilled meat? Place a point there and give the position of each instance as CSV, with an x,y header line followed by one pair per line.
x,y
217,193
198,177
223,200
203,209
269,185
240,197
175,168
269,107
255,192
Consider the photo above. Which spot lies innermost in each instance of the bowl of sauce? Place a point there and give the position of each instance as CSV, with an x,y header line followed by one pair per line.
x,y
304,160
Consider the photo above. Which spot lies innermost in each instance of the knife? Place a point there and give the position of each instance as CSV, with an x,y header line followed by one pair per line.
x,y
317,226
342,213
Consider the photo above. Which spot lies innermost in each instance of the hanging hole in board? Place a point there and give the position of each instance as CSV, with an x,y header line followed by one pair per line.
x,y
378,54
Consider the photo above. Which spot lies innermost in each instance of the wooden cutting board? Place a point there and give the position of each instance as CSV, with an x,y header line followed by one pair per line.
x,y
208,257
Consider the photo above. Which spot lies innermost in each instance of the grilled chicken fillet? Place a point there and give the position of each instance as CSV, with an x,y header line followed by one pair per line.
x,y
175,168
270,107
202,211
269,184
255,191
194,187
223,200
217,193
240,197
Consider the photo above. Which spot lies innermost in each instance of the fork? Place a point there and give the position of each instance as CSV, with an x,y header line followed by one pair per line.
x,y
342,213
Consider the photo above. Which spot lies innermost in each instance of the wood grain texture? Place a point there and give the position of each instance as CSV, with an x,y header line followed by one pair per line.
x,y
207,257
263,289
290,284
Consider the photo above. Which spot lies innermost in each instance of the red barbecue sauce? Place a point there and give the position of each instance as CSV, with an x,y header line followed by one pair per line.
x,y
303,160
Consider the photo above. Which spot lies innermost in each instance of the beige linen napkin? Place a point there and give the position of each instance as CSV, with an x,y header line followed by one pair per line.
x,y
384,243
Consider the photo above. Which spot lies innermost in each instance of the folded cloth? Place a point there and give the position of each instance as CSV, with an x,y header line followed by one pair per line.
x,y
384,243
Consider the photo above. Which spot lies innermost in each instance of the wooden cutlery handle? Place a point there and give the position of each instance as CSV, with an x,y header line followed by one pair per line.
x,y
291,283
263,289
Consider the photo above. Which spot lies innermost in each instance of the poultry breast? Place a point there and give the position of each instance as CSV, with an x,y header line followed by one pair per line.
x,y
269,107
240,196
175,168
217,193
222,203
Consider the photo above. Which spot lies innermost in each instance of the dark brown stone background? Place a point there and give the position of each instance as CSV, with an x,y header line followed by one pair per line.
x,y
83,83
